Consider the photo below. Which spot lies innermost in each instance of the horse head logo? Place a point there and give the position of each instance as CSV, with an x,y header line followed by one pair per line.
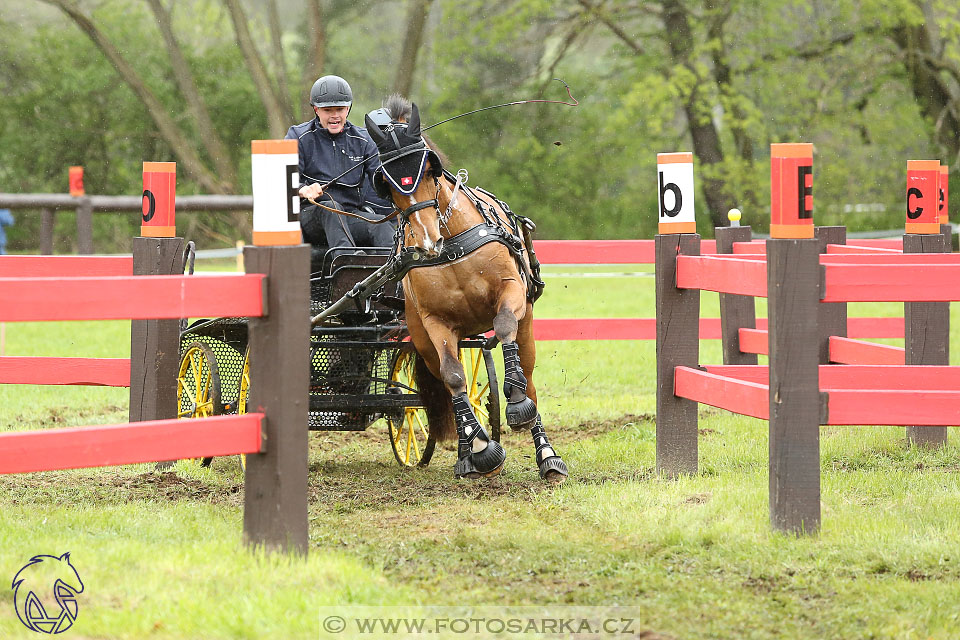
x,y
45,594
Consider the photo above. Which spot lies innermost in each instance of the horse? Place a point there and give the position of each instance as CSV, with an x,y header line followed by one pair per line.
x,y
478,277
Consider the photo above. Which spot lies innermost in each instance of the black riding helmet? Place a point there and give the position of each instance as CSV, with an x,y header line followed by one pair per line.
x,y
331,91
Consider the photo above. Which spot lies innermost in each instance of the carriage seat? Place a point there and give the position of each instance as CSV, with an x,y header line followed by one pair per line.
x,y
340,269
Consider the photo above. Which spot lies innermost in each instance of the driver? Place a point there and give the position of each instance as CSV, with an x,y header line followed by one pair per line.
x,y
330,145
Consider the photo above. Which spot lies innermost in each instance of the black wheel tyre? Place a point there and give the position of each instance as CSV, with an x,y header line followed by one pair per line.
x,y
198,385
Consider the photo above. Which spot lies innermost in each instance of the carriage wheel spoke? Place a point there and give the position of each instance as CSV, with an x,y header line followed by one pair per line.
x,y
416,447
421,425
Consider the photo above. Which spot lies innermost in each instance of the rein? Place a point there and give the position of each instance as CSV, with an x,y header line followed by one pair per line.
x,y
341,212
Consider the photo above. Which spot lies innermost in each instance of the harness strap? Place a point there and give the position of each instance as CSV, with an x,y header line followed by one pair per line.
x,y
423,204
409,258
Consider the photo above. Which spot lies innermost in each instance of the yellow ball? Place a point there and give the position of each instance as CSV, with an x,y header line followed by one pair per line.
x,y
734,215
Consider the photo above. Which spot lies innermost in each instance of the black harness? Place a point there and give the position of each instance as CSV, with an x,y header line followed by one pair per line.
x,y
409,167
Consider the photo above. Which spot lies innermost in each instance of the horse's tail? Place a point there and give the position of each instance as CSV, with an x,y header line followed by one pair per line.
x,y
436,402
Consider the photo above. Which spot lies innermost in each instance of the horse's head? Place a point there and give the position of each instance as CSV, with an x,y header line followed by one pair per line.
x,y
406,160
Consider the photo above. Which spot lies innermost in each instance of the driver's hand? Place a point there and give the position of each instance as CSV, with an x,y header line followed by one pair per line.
x,y
311,191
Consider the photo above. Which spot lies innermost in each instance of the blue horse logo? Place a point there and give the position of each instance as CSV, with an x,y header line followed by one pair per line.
x,y
45,594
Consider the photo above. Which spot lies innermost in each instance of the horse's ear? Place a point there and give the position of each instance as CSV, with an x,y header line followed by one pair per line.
x,y
375,134
413,127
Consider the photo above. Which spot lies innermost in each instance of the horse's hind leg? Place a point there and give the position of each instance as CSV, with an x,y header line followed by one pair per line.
x,y
477,454
519,355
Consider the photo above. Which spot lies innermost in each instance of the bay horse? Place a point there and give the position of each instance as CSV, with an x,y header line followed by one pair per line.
x,y
477,277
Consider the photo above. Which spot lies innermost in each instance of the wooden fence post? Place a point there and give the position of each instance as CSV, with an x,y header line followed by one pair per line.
x,y
84,226
926,327
736,311
793,290
155,344
831,316
46,231
275,503
678,344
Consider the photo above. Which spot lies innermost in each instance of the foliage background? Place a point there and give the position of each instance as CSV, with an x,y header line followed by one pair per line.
x,y
871,83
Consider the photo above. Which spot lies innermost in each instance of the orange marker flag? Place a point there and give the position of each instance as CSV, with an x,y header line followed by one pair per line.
x,y
159,200
76,181
791,190
923,196
276,203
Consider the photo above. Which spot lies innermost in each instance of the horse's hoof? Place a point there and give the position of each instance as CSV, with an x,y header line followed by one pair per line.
x,y
553,470
521,414
489,462
486,463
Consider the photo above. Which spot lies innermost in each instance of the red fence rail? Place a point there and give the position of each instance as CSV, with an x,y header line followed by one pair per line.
x,y
150,441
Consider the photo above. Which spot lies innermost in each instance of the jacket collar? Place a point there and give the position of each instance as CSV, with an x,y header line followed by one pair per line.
x,y
318,128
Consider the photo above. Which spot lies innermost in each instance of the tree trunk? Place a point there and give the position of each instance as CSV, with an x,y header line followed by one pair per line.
x,y
276,36
207,133
416,19
706,140
276,122
932,91
316,54
722,75
183,149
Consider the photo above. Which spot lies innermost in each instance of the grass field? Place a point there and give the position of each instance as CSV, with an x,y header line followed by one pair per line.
x,y
161,555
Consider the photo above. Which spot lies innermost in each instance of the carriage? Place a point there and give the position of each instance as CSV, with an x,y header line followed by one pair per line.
x,y
467,263
361,363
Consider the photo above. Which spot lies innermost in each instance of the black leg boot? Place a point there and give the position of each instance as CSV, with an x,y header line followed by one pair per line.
x,y
521,411
488,462
551,467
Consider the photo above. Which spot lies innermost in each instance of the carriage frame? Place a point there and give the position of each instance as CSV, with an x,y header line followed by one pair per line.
x,y
361,364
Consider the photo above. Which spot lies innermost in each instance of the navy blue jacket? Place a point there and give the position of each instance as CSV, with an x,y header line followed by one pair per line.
x,y
324,157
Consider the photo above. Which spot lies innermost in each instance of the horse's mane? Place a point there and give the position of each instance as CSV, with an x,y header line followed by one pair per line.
x,y
399,109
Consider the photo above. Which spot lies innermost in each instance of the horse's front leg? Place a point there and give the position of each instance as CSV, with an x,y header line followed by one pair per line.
x,y
477,454
519,356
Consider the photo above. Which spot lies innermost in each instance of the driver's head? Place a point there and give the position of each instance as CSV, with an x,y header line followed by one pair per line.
x,y
332,99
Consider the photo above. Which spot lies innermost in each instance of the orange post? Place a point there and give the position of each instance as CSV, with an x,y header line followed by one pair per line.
x,y
76,181
159,200
923,195
791,190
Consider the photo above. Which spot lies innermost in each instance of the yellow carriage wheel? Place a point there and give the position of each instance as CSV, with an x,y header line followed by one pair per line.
x,y
198,385
410,437
409,432
243,396
484,400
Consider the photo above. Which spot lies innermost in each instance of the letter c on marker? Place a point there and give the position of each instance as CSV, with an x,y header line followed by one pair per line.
x,y
916,193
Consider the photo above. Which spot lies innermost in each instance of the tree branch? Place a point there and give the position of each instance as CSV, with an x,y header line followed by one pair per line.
x,y
182,147
416,19
208,135
276,122
316,53
610,24
276,35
